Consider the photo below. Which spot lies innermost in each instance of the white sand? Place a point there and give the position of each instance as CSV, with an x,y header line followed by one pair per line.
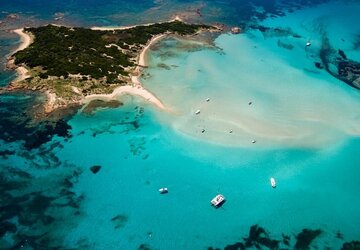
x,y
22,74
131,90
142,56
136,89
25,39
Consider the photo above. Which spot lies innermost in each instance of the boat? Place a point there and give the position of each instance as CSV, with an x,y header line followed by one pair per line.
x,y
197,112
273,182
308,44
203,131
253,141
207,99
218,201
163,190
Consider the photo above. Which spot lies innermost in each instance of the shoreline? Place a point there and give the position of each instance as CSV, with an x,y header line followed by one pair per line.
x,y
25,41
105,28
134,86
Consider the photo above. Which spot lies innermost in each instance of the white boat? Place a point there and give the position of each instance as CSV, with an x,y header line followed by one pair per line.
x,y
253,141
218,200
308,44
273,182
197,112
207,99
163,190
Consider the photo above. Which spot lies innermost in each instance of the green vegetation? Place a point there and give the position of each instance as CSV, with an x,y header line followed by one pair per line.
x,y
60,51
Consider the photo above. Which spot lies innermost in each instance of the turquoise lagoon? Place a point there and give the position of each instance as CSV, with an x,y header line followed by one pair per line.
x,y
306,125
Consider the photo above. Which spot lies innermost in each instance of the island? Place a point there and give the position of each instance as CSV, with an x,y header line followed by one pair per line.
x,y
73,65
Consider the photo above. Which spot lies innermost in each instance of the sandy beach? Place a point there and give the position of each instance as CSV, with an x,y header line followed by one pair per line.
x,y
25,41
128,89
142,56
135,89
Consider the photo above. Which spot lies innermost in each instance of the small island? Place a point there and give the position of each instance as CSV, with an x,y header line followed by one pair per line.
x,y
73,64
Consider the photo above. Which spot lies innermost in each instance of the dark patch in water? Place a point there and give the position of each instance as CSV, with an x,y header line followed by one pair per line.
x,y
144,247
119,221
339,236
319,65
137,146
91,107
286,239
356,43
5,153
236,246
18,124
259,237
305,238
275,32
29,213
5,227
352,245
285,45
95,169
342,54
348,71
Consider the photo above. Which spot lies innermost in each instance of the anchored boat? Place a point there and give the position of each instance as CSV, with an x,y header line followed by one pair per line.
x,y
218,201
163,190
273,182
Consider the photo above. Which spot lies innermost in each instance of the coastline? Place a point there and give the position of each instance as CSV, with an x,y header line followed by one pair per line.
x,y
131,84
134,86
25,41
104,28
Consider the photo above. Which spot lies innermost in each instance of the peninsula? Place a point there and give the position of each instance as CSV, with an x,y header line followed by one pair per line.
x,y
75,65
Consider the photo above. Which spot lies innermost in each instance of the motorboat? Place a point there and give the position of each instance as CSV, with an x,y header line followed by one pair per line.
x,y
273,182
163,190
197,112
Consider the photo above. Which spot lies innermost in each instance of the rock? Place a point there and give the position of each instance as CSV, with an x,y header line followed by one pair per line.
x,y
95,169
235,30
12,16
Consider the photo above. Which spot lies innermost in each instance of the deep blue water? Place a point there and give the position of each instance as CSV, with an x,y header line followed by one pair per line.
x,y
51,199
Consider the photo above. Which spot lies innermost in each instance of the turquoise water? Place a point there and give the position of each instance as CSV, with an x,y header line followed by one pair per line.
x,y
305,122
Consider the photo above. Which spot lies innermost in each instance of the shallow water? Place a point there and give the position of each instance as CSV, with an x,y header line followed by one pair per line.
x,y
292,103
304,121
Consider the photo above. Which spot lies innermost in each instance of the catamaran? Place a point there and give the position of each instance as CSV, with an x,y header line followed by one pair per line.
x,y
218,200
